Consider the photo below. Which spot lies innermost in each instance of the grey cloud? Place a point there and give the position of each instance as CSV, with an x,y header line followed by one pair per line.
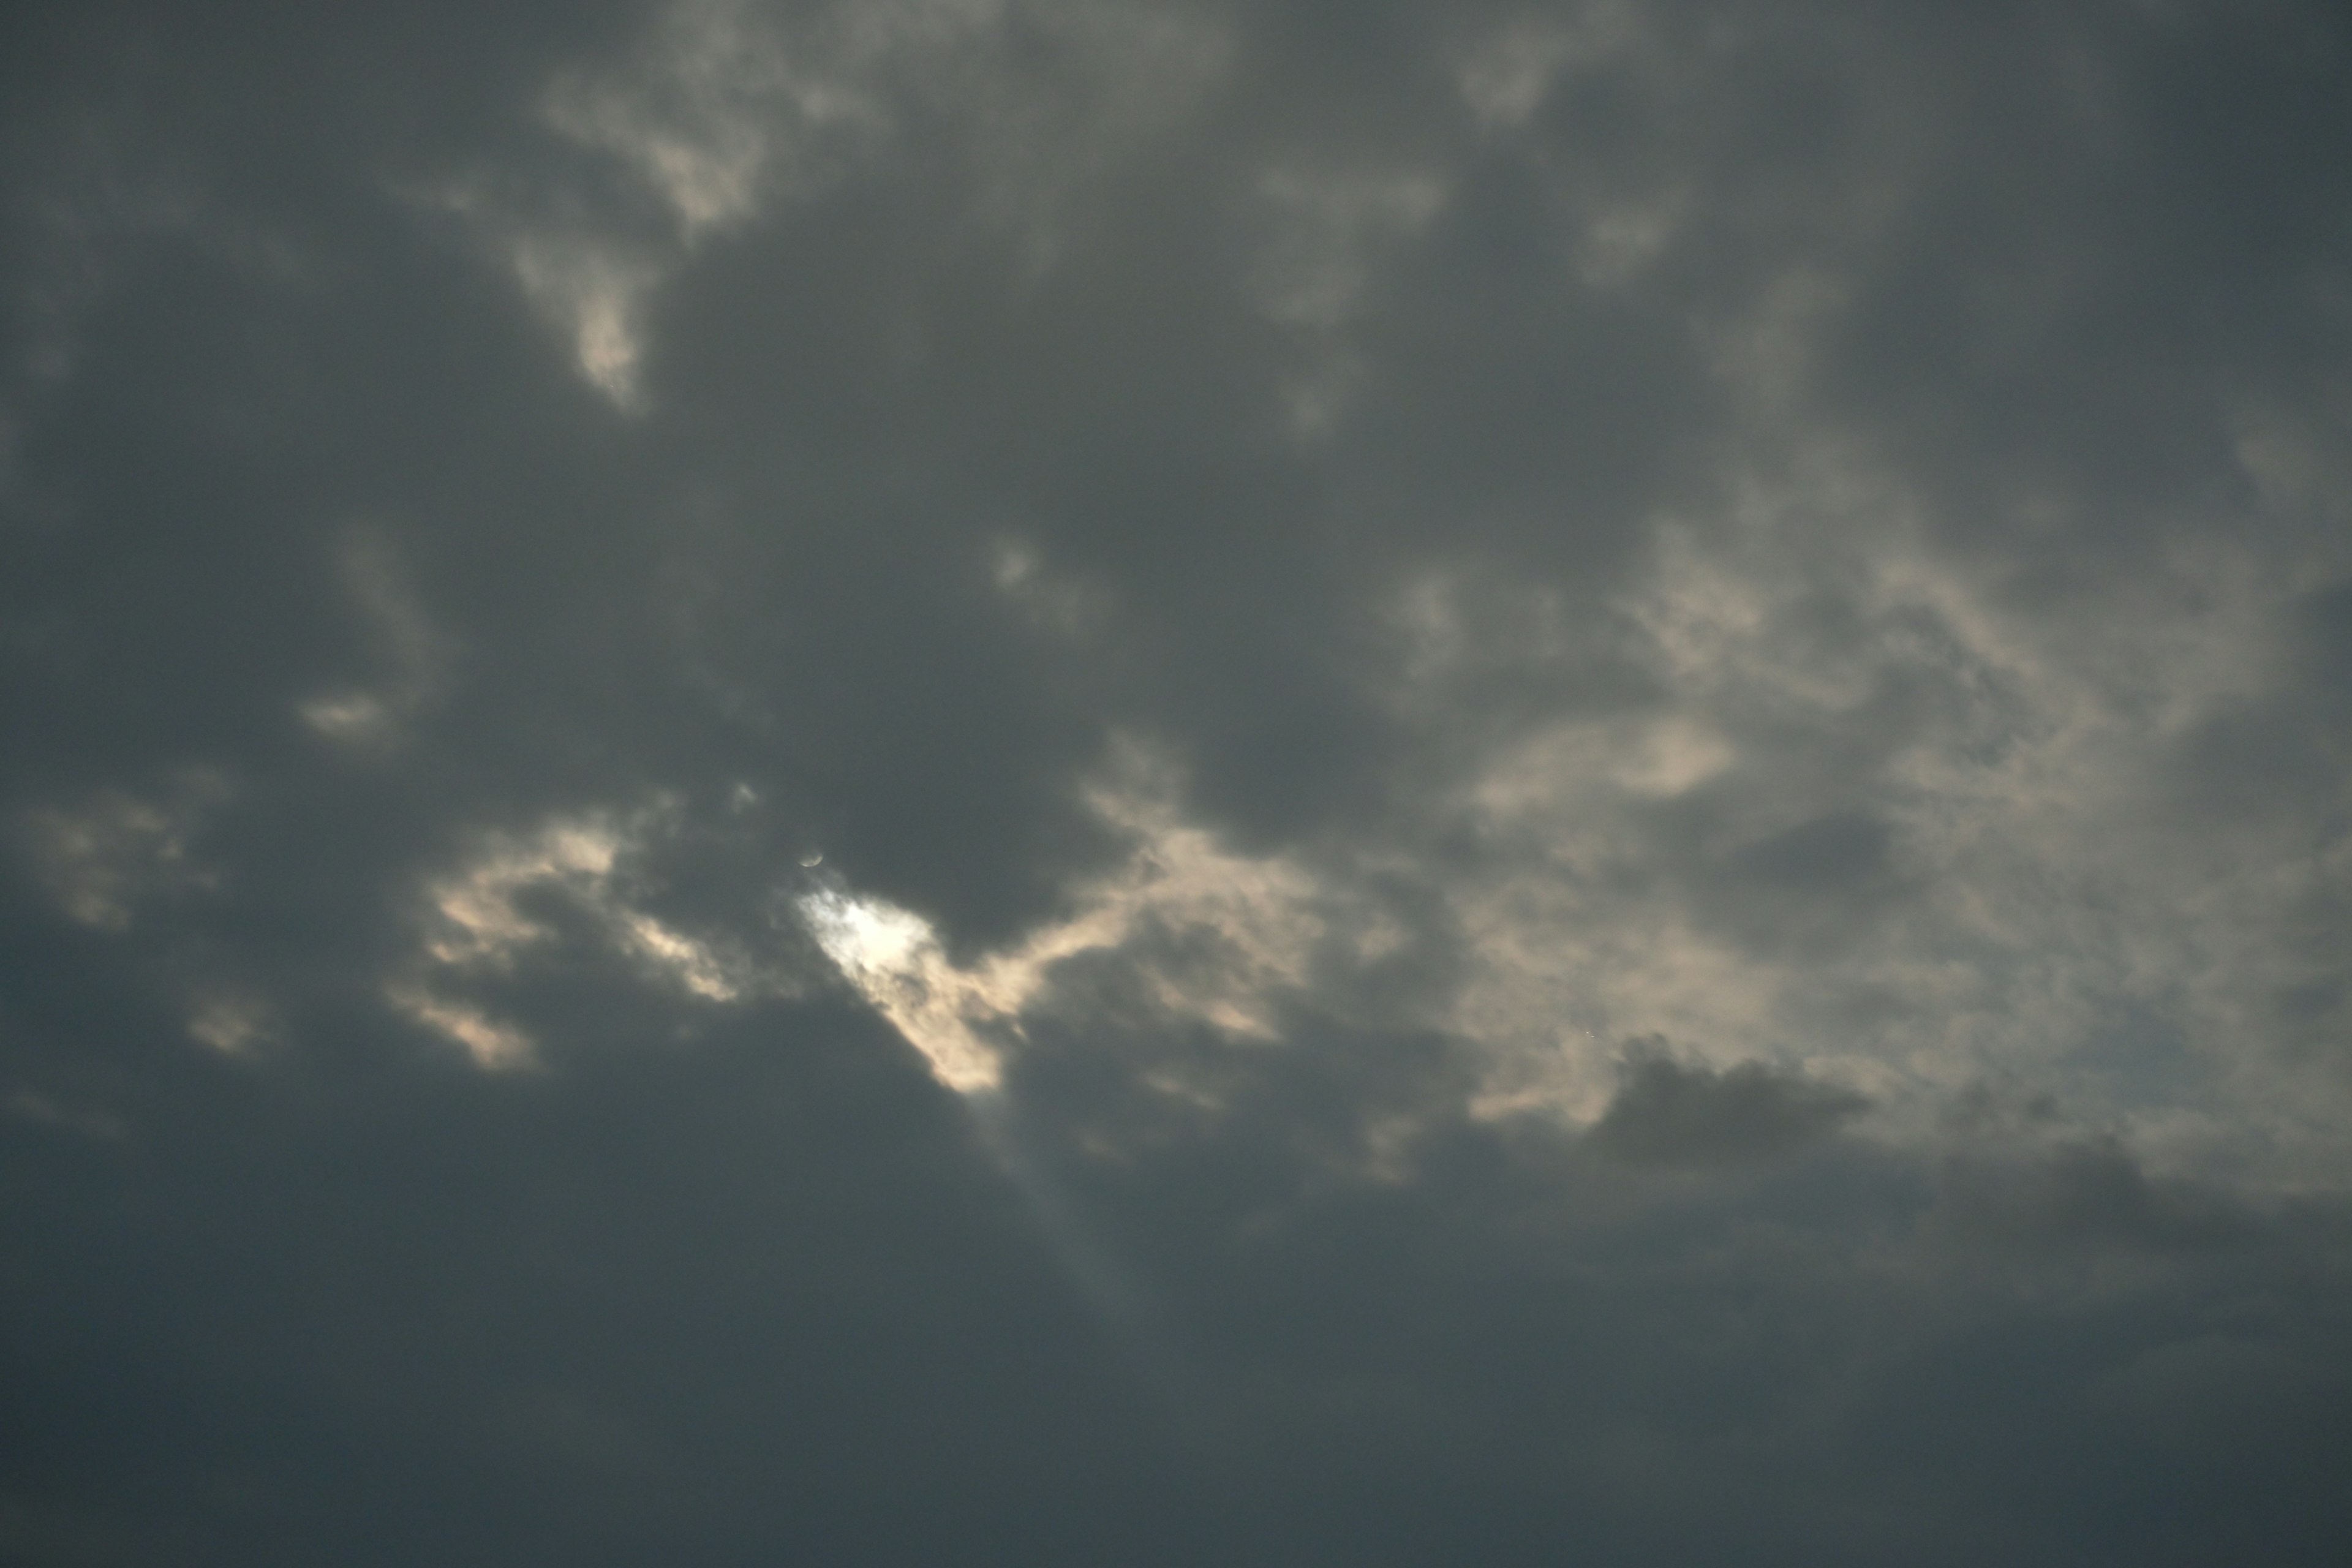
x,y
102,858
1305,566
1668,1113
2082,1195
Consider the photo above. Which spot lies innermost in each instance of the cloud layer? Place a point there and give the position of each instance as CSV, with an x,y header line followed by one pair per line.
x,y
1073,781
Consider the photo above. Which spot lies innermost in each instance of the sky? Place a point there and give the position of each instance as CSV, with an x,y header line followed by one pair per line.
x,y
1162,781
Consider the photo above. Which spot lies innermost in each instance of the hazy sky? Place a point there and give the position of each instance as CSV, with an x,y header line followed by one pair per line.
x,y
1163,782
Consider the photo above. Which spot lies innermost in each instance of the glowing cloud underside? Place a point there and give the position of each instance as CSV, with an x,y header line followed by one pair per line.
x,y
895,961
476,927
1257,914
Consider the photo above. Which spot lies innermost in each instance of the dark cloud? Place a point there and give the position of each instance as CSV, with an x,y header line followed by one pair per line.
x,y
1668,1113
871,781
2084,1195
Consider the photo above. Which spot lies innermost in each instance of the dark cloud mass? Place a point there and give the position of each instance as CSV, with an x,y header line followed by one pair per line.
x,y
1152,782
1669,1114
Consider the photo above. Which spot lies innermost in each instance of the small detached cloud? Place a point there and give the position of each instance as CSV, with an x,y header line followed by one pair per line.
x,y
410,654
106,858
478,924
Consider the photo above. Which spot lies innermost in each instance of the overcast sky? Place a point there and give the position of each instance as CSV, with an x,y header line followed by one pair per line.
x,y
1171,782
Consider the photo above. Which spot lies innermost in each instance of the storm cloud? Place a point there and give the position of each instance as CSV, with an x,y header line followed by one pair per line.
x,y
1078,781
